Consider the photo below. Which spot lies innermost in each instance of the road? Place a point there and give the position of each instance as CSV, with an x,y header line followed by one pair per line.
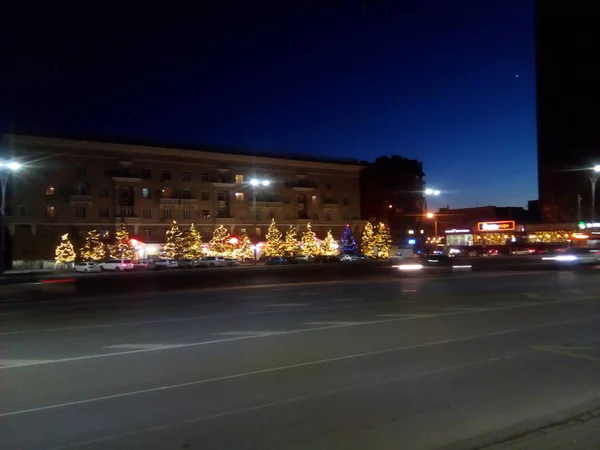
x,y
419,363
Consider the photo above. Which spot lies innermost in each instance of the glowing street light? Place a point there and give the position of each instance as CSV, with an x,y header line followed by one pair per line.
x,y
434,192
431,215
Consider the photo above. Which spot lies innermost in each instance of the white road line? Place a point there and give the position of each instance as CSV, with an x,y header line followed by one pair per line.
x,y
245,333
287,304
533,295
408,290
408,316
299,365
336,323
466,308
144,346
6,363
290,400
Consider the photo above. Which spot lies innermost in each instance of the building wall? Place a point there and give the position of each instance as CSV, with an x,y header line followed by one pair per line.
x,y
392,192
74,186
568,106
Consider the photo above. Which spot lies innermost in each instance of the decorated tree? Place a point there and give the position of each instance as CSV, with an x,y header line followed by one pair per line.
x,y
64,253
290,242
383,240
329,247
93,249
367,245
219,245
193,243
274,244
175,245
348,243
122,248
308,243
244,248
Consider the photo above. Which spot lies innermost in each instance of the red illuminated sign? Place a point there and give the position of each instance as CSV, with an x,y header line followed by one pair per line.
x,y
503,225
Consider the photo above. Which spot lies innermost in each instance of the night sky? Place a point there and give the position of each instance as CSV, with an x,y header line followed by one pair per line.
x,y
450,83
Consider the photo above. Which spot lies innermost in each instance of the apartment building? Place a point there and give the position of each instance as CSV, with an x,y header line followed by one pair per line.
x,y
74,186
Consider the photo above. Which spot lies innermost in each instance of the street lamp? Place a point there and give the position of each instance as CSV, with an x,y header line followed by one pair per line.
x,y
6,168
593,180
256,183
431,215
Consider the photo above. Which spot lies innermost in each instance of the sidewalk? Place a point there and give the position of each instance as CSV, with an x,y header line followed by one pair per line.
x,y
581,433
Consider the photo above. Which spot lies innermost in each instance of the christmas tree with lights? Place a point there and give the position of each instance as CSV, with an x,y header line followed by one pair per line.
x,y
273,245
244,248
219,245
383,241
64,253
174,247
122,248
329,247
290,242
93,249
192,243
367,245
348,243
308,242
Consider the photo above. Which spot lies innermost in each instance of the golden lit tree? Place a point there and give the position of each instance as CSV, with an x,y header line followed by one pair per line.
x,y
64,253
93,249
290,242
367,245
244,248
329,246
122,248
219,245
174,247
273,245
383,241
193,243
308,243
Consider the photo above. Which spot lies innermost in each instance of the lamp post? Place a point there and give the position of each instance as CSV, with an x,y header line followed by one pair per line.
x,y
255,184
6,168
435,224
593,180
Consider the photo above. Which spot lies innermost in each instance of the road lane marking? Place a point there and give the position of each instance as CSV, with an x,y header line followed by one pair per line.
x,y
466,308
279,311
6,363
298,365
533,295
405,315
559,351
289,400
144,346
245,333
287,304
337,323
408,290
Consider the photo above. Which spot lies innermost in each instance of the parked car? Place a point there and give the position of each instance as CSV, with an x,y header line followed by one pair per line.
x,y
232,262
162,264
116,265
276,261
212,261
143,264
86,267
185,263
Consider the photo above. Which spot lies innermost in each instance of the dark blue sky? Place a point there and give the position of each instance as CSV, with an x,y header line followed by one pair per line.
x,y
434,80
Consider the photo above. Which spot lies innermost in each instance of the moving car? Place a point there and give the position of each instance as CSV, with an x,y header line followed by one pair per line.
x,y
575,257
428,264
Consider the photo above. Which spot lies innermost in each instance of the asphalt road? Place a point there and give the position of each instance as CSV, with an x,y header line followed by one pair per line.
x,y
435,362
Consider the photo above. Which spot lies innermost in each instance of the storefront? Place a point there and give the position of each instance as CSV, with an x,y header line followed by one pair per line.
x,y
459,237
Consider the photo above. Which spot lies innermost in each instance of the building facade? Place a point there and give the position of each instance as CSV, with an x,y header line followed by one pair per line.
x,y
568,108
72,186
392,192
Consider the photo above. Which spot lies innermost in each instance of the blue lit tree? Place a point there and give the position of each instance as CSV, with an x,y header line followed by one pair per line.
x,y
348,244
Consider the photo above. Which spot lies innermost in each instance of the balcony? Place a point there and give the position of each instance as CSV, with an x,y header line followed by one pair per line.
x,y
189,201
125,175
331,205
303,185
80,200
167,201
267,201
223,182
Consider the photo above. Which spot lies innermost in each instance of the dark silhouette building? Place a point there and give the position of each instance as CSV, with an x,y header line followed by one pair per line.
x,y
392,192
568,106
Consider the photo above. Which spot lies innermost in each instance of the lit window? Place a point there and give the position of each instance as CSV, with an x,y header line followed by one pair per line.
x,y
257,231
239,178
50,211
145,193
50,190
239,196
314,200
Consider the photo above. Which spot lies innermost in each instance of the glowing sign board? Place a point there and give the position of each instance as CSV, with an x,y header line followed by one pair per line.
x,y
503,225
